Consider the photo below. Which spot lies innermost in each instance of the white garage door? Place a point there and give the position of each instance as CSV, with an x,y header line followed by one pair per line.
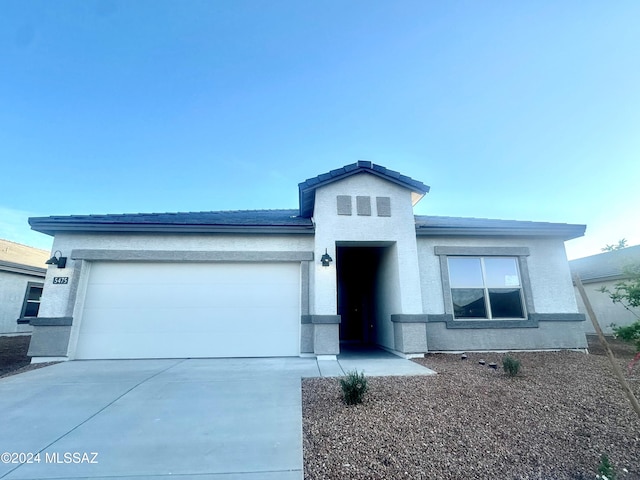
x,y
181,310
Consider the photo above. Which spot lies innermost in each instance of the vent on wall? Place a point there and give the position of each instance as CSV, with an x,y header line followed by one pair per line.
x,y
363,204
383,205
344,205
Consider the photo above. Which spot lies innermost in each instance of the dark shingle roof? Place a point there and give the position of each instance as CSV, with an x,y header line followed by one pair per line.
x,y
297,221
607,265
307,189
245,221
284,221
442,226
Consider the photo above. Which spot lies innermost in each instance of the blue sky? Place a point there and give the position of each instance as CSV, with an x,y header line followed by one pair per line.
x,y
515,110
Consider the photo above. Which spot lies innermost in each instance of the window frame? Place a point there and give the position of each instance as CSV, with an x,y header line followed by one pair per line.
x,y
521,253
26,301
486,288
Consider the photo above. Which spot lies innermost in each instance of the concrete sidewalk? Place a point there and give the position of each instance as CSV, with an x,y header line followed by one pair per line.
x,y
374,362
232,419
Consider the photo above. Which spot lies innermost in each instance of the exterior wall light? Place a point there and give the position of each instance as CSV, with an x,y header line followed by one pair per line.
x,y
57,259
326,259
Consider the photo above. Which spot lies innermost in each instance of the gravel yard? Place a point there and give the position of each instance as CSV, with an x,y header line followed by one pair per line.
x,y
552,421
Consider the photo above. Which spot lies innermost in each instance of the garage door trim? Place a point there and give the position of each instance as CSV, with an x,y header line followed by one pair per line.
x,y
84,259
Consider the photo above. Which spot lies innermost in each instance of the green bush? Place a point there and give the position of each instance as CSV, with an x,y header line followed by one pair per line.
x,y
629,333
605,469
511,366
354,386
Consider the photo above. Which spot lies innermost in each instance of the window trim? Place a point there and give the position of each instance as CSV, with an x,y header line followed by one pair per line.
x,y
520,253
486,289
26,301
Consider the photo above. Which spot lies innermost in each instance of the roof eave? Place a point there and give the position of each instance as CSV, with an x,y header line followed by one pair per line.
x,y
566,233
23,269
603,278
53,227
411,186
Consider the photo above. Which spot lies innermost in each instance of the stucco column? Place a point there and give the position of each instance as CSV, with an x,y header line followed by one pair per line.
x,y
52,328
325,281
409,276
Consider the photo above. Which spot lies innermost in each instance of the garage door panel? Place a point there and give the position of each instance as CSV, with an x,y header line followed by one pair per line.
x,y
133,287
134,296
172,320
137,310
94,346
189,273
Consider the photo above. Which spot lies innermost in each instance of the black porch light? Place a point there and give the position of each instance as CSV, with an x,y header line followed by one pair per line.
x,y
326,259
57,259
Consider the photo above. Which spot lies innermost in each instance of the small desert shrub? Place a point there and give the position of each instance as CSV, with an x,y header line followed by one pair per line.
x,y
605,469
511,366
354,386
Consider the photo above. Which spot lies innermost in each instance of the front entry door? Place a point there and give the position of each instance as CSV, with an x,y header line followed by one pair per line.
x,y
357,268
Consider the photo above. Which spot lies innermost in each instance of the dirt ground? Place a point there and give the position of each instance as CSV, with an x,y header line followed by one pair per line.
x,y
13,356
620,348
13,353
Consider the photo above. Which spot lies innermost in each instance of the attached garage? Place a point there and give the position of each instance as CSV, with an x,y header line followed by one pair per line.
x,y
187,310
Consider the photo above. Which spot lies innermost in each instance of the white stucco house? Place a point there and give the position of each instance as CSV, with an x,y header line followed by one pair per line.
x,y
351,264
22,275
605,270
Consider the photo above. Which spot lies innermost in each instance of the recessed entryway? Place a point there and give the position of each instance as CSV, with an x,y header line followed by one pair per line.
x,y
363,290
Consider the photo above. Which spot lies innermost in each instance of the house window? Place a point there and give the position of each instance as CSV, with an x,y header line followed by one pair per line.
x,y
31,304
485,287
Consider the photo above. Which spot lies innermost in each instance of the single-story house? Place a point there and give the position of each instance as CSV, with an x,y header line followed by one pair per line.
x,y
605,270
351,264
22,275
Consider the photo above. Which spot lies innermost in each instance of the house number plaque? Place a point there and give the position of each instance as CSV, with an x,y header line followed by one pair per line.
x,y
60,280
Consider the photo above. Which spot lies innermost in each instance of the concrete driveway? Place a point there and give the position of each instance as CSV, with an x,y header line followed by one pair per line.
x,y
228,419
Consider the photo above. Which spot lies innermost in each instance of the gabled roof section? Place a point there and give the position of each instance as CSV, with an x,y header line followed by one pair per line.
x,y
307,189
461,226
239,221
607,265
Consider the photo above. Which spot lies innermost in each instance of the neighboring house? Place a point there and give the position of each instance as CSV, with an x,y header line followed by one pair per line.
x,y
605,270
22,275
351,264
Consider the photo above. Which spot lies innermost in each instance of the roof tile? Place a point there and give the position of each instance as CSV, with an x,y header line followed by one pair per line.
x,y
306,188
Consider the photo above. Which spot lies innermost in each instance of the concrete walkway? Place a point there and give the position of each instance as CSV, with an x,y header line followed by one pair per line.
x,y
231,419
374,362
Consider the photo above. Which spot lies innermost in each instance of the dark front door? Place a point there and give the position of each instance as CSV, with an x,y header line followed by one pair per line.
x,y
357,269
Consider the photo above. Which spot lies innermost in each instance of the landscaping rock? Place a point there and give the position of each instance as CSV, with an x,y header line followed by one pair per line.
x,y
552,421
